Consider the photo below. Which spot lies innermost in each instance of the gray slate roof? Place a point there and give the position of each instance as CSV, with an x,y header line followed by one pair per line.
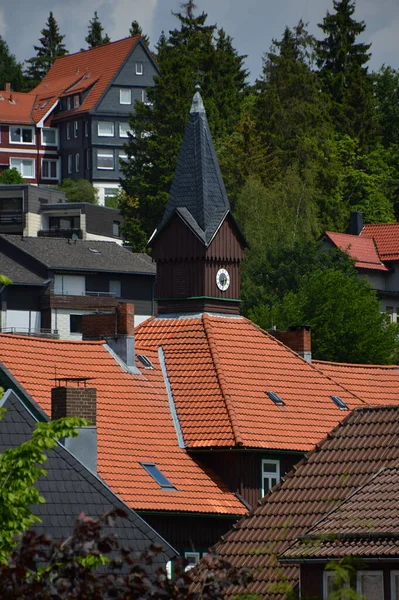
x,y
61,253
69,488
17,272
197,192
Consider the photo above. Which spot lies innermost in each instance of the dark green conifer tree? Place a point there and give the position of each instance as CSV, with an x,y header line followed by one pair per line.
x,y
95,35
136,29
193,52
51,47
342,62
10,69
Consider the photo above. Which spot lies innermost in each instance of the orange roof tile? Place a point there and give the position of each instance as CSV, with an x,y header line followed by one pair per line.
x,y
93,68
375,384
133,423
220,369
386,238
361,249
17,107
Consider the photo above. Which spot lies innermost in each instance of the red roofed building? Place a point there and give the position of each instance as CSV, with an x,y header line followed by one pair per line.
x,y
74,124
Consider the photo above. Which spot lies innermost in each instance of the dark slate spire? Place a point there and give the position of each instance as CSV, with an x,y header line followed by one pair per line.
x,y
197,192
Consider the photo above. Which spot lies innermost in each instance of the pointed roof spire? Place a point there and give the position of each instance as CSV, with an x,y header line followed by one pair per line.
x,y
197,193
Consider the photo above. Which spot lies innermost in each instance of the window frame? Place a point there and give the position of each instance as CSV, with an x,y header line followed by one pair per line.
x,y
76,101
276,475
53,130
366,571
122,157
86,128
394,587
70,163
126,90
195,554
116,227
106,154
75,129
118,292
330,575
21,128
69,103
77,162
70,323
50,160
106,134
124,130
139,68
68,130
20,170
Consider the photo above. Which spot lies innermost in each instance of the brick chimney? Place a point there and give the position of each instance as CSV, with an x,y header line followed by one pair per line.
x,y
7,86
298,338
72,398
116,327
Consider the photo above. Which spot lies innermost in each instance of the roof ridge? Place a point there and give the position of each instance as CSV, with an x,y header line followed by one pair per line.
x,y
92,50
360,365
221,379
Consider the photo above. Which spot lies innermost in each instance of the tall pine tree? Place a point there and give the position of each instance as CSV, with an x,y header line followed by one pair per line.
x,y
51,47
136,29
95,35
10,69
193,52
342,62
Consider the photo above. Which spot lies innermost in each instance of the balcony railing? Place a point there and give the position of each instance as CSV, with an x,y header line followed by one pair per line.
x,y
10,217
46,333
85,301
61,233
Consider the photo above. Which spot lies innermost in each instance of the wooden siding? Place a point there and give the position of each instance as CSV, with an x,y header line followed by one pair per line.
x,y
241,471
225,245
78,302
177,242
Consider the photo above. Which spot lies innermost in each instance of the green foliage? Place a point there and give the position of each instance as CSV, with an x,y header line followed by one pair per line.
x,y
51,47
11,176
95,35
10,69
136,29
193,51
79,190
20,468
343,72
387,94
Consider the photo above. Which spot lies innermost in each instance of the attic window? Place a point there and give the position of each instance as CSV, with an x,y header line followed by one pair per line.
x,y
276,398
145,361
339,402
95,251
159,477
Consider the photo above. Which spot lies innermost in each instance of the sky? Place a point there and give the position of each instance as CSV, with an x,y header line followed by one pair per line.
x,y
252,23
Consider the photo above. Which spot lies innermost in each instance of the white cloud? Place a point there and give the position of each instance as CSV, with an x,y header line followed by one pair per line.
x,y
3,25
123,12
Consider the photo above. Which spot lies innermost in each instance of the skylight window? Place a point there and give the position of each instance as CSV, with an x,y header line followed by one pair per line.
x,y
159,477
339,402
276,398
94,250
145,361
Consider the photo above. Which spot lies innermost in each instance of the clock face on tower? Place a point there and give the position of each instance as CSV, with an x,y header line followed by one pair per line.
x,y
222,280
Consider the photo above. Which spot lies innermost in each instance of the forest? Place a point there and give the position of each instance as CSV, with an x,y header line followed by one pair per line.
x,y
314,138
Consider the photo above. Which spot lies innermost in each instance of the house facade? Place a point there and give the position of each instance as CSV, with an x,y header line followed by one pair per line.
x,y
75,123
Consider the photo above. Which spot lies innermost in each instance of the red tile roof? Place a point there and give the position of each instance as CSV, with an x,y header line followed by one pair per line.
x,y
365,442
133,423
375,384
17,107
223,366
90,70
386,238
361,249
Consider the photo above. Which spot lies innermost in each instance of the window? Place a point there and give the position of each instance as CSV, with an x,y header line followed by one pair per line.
x,y
105,159
68,131
25,166
139,68
144,98
122,157
69,103
159,477
394,585
192,559
124,130
390,312
70,158
147,364
87,159
77,162
116,228
49,136
21,135
330,584
370,584
86,128
75,323
125,96
276,398
339,402
115,288
270,474
76,101
75,129
49,169
105,129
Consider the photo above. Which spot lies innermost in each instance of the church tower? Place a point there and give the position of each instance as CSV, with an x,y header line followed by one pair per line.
x,y
198,246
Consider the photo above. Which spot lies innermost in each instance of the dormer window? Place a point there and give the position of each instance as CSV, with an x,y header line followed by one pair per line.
x,y
139,68
69,103
76,101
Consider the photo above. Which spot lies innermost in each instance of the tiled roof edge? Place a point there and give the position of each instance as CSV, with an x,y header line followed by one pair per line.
x,y
221,380
169,392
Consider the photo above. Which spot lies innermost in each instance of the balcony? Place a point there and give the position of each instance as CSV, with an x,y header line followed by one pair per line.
x,y
43,333
61,233
87,301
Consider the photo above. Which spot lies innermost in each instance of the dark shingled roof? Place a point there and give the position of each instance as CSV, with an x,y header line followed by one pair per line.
x,y
362,444
197,193
17,272
80,255
69,488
